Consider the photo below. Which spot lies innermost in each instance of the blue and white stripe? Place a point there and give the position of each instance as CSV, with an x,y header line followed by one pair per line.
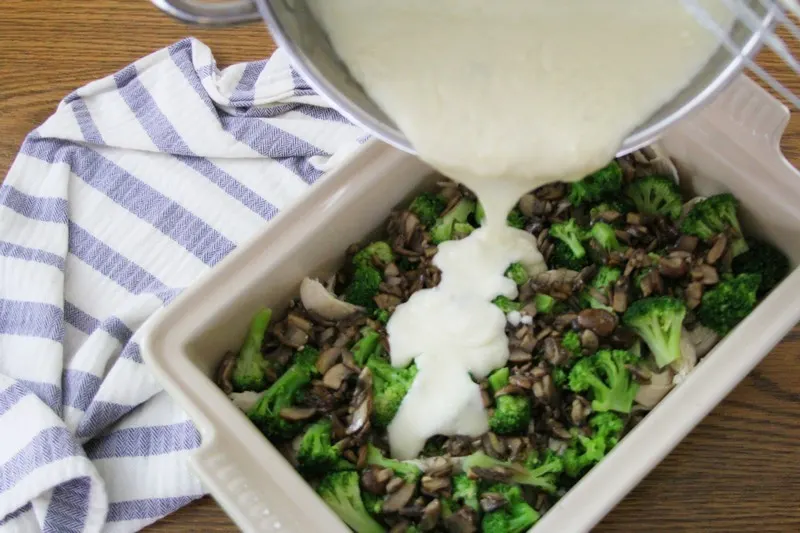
x,y
139,183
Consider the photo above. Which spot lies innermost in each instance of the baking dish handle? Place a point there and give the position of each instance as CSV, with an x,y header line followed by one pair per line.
x,y
227,13
755,120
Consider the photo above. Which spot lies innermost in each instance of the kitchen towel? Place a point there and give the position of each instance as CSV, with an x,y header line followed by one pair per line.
x,y
138,183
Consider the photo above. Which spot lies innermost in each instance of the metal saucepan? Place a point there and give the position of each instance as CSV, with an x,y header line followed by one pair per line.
x,y
295,29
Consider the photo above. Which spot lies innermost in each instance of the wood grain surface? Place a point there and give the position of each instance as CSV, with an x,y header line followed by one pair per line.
x,y
738,471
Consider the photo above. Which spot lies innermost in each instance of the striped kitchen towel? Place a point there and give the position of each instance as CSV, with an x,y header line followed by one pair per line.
x,y
136,185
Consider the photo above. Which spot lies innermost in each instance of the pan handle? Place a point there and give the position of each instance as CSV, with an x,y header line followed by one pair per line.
x,y
227,13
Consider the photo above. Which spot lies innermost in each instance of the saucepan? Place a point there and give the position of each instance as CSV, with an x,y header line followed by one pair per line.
x,y
294,29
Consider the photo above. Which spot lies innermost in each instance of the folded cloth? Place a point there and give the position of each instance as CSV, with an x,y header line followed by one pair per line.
x,y
136,185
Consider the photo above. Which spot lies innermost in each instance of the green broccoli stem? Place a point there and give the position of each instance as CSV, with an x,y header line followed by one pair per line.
x,y
265,414
248,373
409,472
342,493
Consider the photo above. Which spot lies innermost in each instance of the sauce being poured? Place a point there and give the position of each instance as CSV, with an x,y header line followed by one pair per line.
x,y
502,97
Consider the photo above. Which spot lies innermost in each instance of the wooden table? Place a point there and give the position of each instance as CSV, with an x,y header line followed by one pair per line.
x,y
738,471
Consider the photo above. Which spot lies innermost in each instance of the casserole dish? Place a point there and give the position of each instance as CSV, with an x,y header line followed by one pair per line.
x,y
732,145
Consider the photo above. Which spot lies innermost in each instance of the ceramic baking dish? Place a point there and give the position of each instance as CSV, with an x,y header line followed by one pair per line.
x,y
731,145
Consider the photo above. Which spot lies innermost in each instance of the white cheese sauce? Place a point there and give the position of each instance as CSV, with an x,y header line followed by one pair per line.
x,y
502,97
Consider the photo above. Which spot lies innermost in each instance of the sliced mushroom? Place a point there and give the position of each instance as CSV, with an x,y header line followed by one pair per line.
x,y
694,294
430,515
687,360
651,393
492,501
435,486
225,372
717,249
465,520
291,335
318,300
296,414
600,321
327,359
245,400
703,339
372,482
399,498
361,404
335,376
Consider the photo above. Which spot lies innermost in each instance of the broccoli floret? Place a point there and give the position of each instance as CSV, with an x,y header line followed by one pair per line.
x,y
542,475
605,236
765,260
619,206
364,287
584,451
366,346
381,315
516,219
515,517
605,375
544,303
506,304
390,385
266,413
656,195
252,371
604,183
715,215
378,252
342,493
512,413
427,206
462,229
465,491
606,276
658,321
572,343
372,502
570,234
407,471
317,454
518,273
443,228
729,303
562,257
560,376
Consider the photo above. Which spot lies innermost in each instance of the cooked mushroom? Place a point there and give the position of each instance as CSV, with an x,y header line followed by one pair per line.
x,y
374,483
430,515
399,498
717,249
318,300
245,400
492,501
435,486
651,393
703,339
335,376
599,321
290,335
361,404
296,414
465,520
687,360
225,372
